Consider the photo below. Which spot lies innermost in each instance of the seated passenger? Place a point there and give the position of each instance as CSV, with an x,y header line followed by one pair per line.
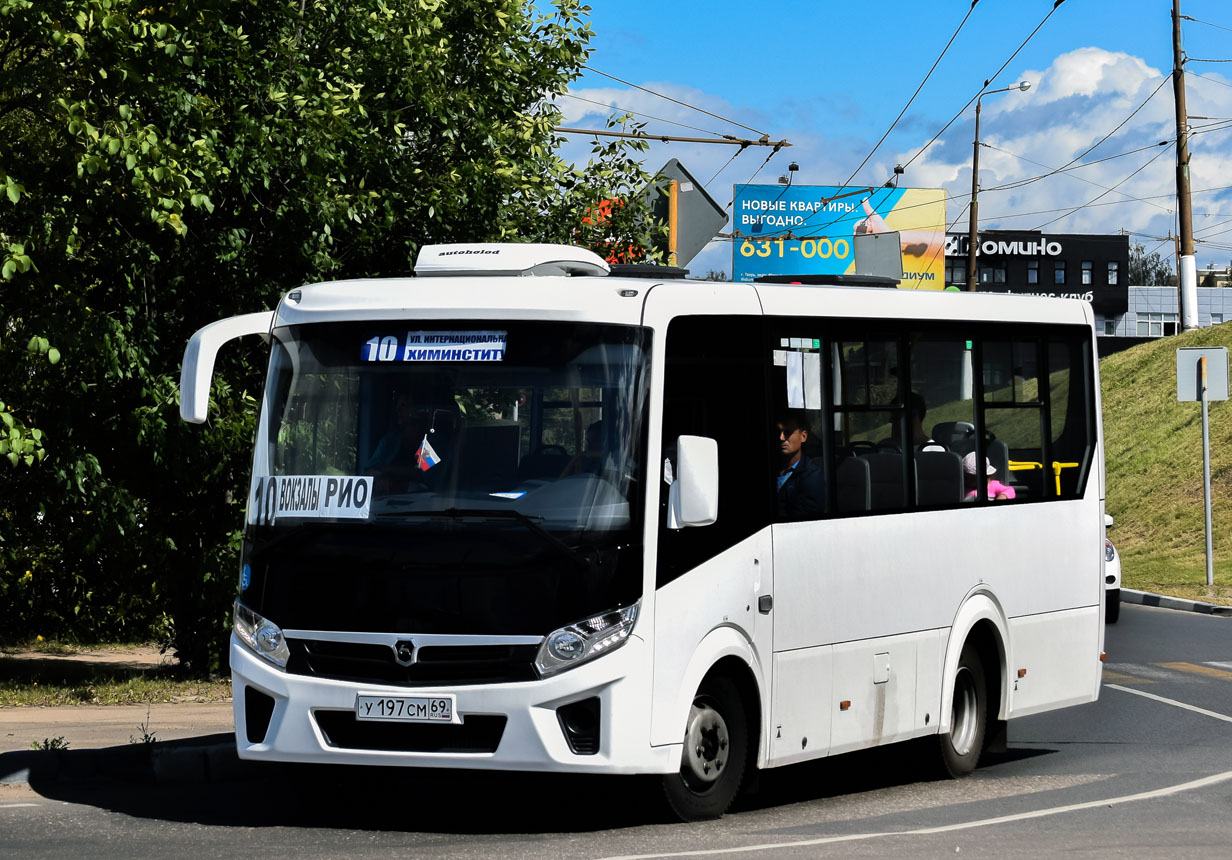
x,y
971,481
801,482
920,440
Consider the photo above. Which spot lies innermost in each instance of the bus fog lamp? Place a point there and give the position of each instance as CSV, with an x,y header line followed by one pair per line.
x,y
576,643
261,636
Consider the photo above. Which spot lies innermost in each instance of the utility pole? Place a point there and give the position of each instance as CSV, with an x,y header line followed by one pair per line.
x,y
1187,268
974,219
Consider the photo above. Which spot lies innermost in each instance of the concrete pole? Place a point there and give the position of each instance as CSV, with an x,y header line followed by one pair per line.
x,y
1187,272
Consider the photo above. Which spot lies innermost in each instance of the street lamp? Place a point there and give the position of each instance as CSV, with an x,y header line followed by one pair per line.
x,y
975,182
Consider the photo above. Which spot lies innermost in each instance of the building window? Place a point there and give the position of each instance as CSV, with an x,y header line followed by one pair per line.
x,y
1113,272
1058,276
992,274
1109,326
1032,271
1088,273
1156,324
1216,319
956,272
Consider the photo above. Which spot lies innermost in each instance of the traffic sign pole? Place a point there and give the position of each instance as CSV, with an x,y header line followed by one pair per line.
x,y
1206,473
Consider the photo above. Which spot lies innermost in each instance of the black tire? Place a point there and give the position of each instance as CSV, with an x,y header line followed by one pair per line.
x,y
962,744
715,754
1112,605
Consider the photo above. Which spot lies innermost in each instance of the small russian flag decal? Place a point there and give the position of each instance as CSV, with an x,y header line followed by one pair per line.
x,y
426,457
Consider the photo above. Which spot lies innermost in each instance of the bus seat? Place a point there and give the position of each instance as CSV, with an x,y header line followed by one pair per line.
x,y
958,436
939,478
853,484
999,457
885,472
544,463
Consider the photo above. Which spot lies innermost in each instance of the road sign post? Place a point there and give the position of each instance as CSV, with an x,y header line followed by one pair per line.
x,y
1202,375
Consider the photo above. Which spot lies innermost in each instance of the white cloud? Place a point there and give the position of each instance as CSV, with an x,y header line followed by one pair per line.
x,y
1080,97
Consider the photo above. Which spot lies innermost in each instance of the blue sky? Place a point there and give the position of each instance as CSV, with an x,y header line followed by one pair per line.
x,y
831,76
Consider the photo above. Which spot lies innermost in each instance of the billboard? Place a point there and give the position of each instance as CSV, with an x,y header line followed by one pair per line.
x,y
809,230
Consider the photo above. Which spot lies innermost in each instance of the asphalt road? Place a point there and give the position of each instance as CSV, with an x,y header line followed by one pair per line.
x,y
1144,772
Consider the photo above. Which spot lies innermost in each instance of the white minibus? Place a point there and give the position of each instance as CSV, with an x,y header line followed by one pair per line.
x,y
519,512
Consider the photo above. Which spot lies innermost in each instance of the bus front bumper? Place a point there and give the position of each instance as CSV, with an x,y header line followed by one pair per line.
x,y
513,726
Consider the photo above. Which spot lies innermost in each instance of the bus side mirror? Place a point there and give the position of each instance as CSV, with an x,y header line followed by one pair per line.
x,y
197,371
693,499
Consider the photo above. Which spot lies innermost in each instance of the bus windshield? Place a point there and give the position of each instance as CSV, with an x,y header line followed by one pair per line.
x,y
532,421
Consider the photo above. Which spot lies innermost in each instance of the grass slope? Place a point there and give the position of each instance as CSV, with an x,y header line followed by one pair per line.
x,y
1153,460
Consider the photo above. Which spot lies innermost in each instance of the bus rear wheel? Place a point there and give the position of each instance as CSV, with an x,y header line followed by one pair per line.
x,y
962,744
715,753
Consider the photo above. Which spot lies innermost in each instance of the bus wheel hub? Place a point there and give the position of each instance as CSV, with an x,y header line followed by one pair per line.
x,y
705,744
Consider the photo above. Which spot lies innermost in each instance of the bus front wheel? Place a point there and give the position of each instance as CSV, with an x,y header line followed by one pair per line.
x,y
715,753
962,744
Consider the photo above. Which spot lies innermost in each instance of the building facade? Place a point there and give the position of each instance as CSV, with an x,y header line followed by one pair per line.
x,y
1091,268
1064,266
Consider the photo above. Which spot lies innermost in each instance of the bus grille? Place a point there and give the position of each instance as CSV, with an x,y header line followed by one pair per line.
x,y
453,665
480,733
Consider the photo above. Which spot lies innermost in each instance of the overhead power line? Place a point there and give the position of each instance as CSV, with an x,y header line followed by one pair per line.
x,y
1070,171
931,69
676,101
871,189
971,101
669,138
1212,80
1207,23
987,81
1067,169
1148,162
641,114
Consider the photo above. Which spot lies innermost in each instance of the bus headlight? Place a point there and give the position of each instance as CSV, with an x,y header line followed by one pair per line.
x,y
1109,551
262,636
576,643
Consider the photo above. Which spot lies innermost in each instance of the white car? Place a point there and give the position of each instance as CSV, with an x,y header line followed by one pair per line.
x,y
1112,579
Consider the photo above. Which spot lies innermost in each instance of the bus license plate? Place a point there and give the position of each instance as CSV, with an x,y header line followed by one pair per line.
x,y
405,709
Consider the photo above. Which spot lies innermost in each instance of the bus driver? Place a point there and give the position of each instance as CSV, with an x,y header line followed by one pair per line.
x,y
801,482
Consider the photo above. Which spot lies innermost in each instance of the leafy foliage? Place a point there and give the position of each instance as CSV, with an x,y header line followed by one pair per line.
x,y
1149,270
168,165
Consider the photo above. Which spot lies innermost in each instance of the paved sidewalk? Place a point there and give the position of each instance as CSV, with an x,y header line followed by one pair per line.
x,y
192,742
98,726
1145,598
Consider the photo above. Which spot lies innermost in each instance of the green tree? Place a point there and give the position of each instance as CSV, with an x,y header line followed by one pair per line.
x,y
169,165
1149,270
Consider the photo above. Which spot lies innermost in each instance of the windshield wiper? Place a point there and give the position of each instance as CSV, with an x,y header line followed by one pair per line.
x,y
573,553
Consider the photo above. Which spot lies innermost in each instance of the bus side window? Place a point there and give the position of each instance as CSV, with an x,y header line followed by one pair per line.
x,y
1014,416
870,423
943,417
1071,433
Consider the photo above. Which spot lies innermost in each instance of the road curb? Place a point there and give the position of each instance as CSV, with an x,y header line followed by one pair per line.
x,y
1146,598
208,758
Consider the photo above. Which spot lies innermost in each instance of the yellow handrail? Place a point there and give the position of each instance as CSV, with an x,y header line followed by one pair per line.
x,y
1056,470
